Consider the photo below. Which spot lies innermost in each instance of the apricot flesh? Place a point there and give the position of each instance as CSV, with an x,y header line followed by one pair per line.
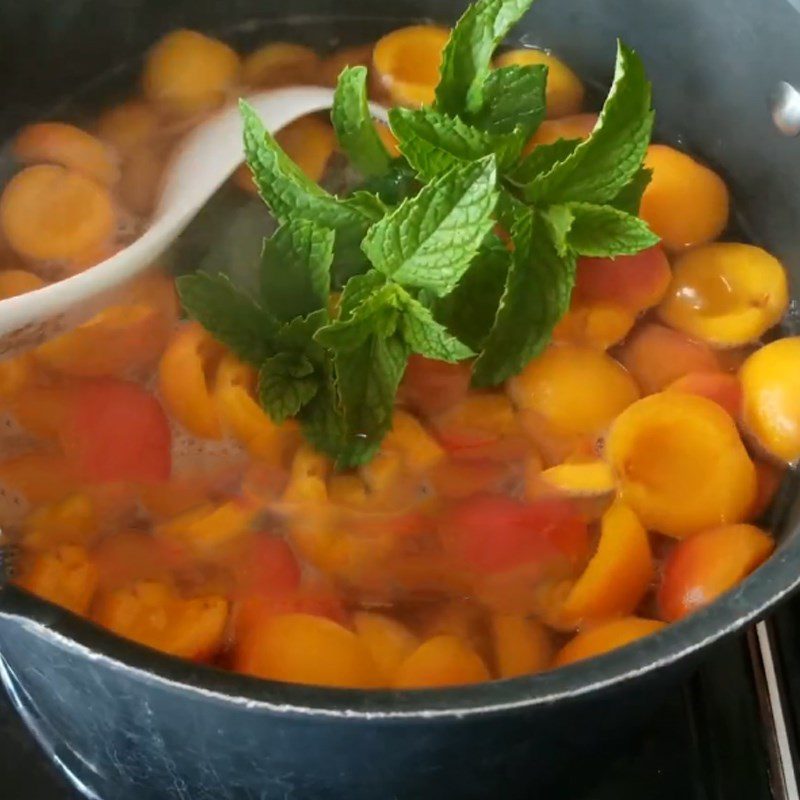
x,y
443,660
606,637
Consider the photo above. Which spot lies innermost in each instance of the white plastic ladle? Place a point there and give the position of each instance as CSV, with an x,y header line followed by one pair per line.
x,y
207,157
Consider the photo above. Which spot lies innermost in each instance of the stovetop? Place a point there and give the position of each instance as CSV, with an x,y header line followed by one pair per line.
x,y
727,734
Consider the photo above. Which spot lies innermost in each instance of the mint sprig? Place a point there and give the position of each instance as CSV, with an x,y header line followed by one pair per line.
x,y
462,248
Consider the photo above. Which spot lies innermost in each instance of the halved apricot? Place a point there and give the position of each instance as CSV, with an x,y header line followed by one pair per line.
x,y
407,61
618,575
302,648
441,661
64,144
699,569
564,88
388,641
576,126
51,212
280,64
521,646
481,418
309,142
578,390
686,203
187,72
721,387
66,576
598,325
430,387
771,398
606,637
680,464
579,479
128,126
657,356
726,293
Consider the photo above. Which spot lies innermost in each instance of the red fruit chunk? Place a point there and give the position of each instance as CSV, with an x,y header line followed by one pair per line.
x,y
430,387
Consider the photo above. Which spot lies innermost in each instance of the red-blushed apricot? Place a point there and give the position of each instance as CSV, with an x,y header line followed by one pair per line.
x,y
66,576
564,88
635,282
771,398
727,294
68,521
704,566
769,477
576,126
618,575
481,418
657,356
606,637
430,387
721,387
594,324
407,61
579,479
154,614
301,648
64,144
14,282
280,64
184,379
128,126
680,464
578,390
419,449
521,646
388,641
685,203
186,72
441,661
50,212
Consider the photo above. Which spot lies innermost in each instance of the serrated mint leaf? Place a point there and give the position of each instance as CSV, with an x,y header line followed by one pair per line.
x,y
354,126
603,231
536,295
467,57
424,335
286,383
469,310
434,142
513,102
430,239
295,269
228,315
357,290
559,219
629,197
541,160
604,163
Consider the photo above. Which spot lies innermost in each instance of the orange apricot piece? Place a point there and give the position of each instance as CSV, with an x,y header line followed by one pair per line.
x,y
154,614
576,126
686,203
304,648
441,661
14,282
39,477
307,476
580,479
184,377
388,641
657,356
68,521
704,566
209,526
66,576
479,419
64,144
578,390
16,376
725,293
128,126
769,477
619,573
388,138
564,88
407,61
50,212
42,410
721,387
162,501
408,435
594,324
280,64
309,142
680,464
771,398
606,637
187,73
521,646
140,181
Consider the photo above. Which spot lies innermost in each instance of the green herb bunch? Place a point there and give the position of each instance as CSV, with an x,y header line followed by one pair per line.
x,y
414,252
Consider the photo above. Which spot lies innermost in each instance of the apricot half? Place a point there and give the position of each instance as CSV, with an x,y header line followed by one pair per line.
x,y
606,637
521,646
443,660
771,397
388,641
726,293
280,64
680,464
576,126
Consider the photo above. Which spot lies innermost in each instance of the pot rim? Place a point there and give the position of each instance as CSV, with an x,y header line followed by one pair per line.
x,y
764,588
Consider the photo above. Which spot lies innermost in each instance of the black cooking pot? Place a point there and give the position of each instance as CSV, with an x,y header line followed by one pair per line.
x,y
127,722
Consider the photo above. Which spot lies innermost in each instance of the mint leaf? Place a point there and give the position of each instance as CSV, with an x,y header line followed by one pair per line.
x,y
604,231
354,125
357,290
559,219
295,269
424,335
228,315
430,239
468,54
542,159
286,382
605,162
536,295
469,310
629,197
514,101
396,185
